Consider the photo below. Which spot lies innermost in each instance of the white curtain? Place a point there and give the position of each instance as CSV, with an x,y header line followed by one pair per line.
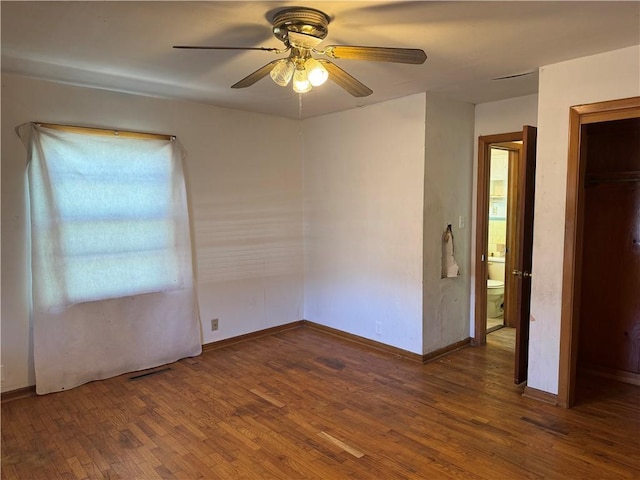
x,y
112,280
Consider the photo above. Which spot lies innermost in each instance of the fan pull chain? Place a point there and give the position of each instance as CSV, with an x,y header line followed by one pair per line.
x,y
299,106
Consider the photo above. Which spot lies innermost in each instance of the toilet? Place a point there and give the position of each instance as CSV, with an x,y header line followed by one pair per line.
x,y
495,287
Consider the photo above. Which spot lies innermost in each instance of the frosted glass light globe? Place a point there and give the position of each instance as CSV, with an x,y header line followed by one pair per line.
x,y
301,83
282,72
316,73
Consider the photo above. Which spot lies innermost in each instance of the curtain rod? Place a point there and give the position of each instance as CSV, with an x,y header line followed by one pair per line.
x,y
107,132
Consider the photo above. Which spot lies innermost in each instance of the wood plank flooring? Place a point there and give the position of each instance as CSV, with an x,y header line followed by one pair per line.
x,y
305,405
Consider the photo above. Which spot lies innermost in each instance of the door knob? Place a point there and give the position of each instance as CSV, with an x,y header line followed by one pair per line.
x,y
521,274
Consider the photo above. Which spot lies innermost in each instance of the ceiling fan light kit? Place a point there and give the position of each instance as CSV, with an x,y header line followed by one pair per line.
x,y
302,30
305,73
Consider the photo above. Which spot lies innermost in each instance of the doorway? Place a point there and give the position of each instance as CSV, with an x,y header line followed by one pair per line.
x,y
504,237
504,159
601,255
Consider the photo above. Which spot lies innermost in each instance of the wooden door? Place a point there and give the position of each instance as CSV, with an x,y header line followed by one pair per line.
x,y
522,260
511,309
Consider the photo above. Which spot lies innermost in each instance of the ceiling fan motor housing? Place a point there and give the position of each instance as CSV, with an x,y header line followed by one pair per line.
x,y
308,21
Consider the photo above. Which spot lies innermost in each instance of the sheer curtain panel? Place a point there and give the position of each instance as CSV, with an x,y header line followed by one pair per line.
x,y
111,269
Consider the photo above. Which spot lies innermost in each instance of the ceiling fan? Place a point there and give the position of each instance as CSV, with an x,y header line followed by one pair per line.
x,y
301,30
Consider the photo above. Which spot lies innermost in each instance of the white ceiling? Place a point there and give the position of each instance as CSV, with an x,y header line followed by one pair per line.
x,y
126,46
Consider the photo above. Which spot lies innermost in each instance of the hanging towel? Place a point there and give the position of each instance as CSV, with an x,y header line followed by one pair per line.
x,y
449,265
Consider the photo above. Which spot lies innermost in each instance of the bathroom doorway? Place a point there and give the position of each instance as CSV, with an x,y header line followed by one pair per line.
x,y
504,238
503,166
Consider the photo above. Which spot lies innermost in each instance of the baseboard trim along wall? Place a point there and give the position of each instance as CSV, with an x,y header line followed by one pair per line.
x,y
431,356
540,395
372,344
631,378
399,352
18,393
207,347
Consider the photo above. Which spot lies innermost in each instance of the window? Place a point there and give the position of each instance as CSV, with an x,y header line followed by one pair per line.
x,y
111,272
105,217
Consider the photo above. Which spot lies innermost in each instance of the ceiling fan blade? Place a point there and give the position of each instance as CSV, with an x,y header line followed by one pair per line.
x,y
344,80
377,54
255,76
196,47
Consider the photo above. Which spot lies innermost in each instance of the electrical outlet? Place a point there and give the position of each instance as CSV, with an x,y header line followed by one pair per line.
x,y
378,328
214,324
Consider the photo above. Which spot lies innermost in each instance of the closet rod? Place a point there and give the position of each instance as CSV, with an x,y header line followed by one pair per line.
x,y
611,180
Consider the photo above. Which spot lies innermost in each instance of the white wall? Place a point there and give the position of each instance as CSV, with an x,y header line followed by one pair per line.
x,y
491,118
506,116
363,189
596,78
245,194
447,198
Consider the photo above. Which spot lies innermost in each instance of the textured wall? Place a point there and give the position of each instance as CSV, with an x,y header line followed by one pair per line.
x,y
447,200
596,78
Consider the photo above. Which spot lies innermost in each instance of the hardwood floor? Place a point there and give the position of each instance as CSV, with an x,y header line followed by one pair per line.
x,y
305,405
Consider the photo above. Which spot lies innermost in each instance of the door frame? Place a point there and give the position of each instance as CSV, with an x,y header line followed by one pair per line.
x,y
482,227
579,116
